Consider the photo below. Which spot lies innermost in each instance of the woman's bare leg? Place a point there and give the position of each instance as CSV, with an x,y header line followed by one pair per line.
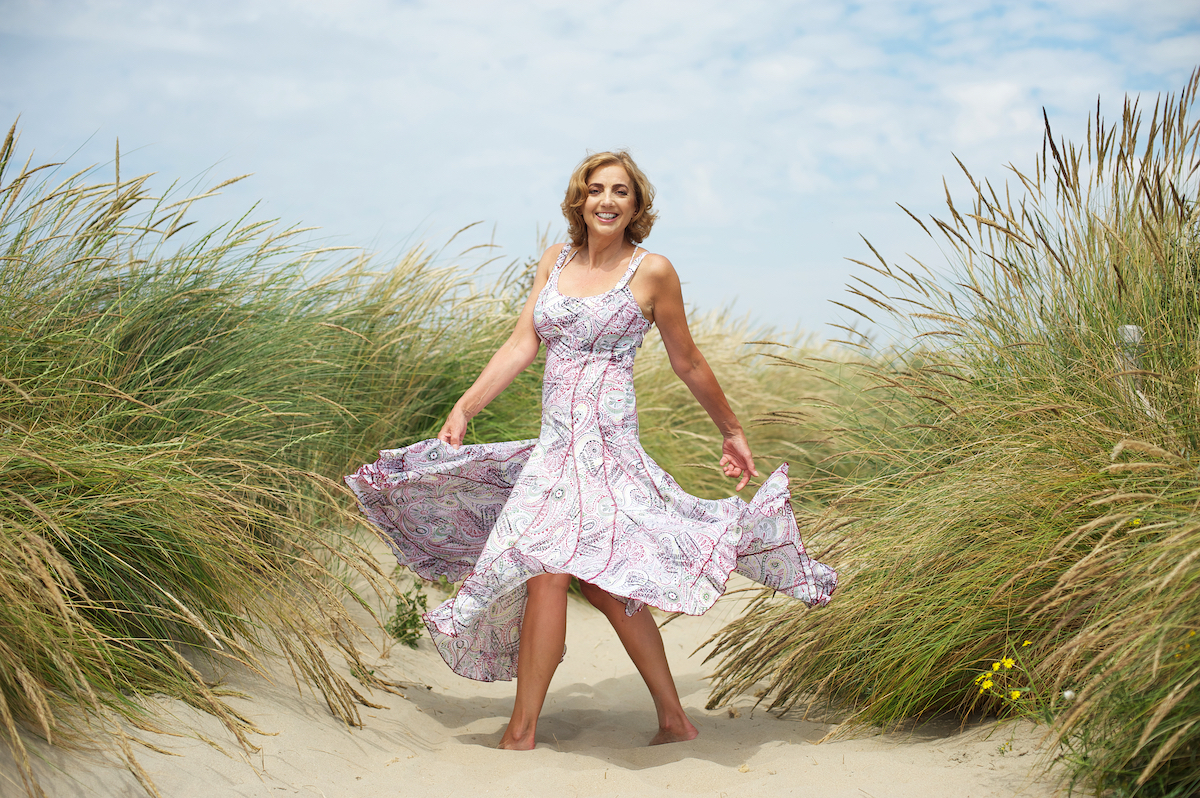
x,y
543,633
640,636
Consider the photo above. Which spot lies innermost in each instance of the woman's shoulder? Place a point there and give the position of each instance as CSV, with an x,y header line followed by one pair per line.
x,y
657,267
555,250
551,255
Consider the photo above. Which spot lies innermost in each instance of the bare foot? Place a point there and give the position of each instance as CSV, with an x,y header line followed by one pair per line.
x,y
513,741
676,733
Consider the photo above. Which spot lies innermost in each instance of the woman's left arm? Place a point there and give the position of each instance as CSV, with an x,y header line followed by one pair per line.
x,y
665,297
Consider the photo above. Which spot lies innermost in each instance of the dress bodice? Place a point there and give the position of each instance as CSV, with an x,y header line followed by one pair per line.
x,y
590,346
608,325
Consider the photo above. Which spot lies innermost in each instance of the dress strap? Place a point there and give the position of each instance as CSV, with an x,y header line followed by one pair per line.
x,y
564,258
634,262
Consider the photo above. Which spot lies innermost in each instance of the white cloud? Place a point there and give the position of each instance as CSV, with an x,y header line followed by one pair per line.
x,y
775,132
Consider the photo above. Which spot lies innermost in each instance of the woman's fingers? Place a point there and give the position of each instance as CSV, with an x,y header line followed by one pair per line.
x,y
737,460
747,459
733,470
452,433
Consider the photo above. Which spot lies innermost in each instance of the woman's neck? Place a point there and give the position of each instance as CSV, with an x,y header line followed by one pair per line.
x,y
605,253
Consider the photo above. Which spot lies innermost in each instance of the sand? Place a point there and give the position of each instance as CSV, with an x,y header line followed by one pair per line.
x,y
439,739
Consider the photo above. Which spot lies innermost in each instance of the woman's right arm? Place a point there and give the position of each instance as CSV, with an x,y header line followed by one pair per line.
x,y
513,357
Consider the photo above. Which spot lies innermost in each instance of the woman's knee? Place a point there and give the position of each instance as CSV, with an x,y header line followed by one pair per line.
x,y
548,585
597,596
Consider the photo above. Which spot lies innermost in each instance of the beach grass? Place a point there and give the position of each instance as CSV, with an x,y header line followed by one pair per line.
x,y
1030,506
175,415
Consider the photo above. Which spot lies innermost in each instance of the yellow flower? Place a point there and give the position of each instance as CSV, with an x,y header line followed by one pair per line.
x,y
1135,522
987,684
1008,662
1030,642
995,666
1014,695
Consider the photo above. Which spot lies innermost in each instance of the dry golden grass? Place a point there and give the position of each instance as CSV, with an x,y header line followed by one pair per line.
x,y
1028,470
174,421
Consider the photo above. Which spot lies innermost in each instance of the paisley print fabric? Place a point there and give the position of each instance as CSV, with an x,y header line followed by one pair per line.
x,y
584,498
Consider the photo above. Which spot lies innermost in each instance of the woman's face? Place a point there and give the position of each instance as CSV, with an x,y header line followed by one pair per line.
x,y
610,203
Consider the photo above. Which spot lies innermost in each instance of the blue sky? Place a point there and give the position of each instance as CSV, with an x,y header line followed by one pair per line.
x,y
776,133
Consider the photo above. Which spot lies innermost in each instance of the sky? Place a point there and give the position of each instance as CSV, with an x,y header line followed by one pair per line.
x,y
777,134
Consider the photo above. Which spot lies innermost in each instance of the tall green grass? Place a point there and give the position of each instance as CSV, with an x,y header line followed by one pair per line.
x,y
174,422
1029,473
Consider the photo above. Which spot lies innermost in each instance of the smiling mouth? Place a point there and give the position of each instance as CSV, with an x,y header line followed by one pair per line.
x,y
608,217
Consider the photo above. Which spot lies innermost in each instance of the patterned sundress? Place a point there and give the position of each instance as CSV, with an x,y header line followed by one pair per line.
x,y
583,498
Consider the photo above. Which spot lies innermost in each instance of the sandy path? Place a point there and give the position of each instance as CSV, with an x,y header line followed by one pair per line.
x,y
597,720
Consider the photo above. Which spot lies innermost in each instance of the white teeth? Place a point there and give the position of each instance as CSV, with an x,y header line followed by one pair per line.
x,y
607,215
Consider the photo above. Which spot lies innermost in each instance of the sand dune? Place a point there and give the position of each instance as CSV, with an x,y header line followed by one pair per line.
x,y
441,737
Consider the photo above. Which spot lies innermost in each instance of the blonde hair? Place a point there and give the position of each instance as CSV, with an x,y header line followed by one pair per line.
x,y
577,192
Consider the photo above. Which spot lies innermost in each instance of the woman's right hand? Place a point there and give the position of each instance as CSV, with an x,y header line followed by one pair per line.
x,y
454,429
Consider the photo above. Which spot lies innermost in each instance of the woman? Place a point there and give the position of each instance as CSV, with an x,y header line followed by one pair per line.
x,y
517,520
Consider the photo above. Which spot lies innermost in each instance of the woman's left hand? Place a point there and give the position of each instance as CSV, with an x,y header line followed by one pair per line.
x,y
736,459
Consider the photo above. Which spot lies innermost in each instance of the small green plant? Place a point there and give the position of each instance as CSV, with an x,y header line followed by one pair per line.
x,y
405,625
